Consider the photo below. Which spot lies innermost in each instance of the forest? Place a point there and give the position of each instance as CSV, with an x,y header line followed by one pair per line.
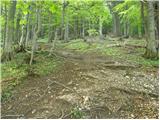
x,y
79,59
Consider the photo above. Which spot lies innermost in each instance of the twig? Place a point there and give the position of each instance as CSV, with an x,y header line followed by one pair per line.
x,y
66,115
7,80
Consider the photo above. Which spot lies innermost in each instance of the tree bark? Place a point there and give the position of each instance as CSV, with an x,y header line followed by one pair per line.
x,y
66,28
27,30
144,24
53,42
151,51
21,42
83,29
35,35
17,36
8,50
100,28
62,19
50,31
116,19
5,24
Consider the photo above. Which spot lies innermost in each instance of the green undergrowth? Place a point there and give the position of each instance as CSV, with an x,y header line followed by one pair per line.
x,y
133,54
77,45
18,70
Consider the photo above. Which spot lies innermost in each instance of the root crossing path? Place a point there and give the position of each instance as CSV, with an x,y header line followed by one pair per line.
x,y
87,86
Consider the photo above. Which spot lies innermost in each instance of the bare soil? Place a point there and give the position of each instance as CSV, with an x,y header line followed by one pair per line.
x,y
99,86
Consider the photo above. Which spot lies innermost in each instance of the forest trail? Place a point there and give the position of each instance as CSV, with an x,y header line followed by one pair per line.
x,y
89,85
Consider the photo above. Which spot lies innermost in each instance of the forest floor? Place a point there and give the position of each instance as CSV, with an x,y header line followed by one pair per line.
x,y
88,84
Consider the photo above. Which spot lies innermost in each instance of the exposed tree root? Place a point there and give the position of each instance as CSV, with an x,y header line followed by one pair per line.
x,y
131,92
58,83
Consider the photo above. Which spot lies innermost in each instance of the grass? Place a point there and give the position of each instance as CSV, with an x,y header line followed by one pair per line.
x,y
116,52
18,70
76,113
77,45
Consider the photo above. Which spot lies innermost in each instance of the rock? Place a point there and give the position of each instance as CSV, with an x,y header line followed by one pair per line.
x,y
33,111
127,77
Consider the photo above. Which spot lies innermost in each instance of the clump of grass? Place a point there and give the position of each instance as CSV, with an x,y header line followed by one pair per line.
x,y
15,68
45,65
76,113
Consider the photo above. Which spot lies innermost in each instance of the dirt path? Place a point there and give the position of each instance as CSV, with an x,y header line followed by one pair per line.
x,y
97,86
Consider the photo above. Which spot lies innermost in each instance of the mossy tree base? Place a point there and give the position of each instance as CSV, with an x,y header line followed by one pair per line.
x,y
149,54
6,56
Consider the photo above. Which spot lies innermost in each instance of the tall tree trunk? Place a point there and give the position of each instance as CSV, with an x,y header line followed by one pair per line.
x,y
144,24
17,36
66,28
21,42
35,35
139,31
5,24
8,50
100,28
156,11
75,28
116,19
151,51
62,19
117,25
50,31
27,30
53,42
83,29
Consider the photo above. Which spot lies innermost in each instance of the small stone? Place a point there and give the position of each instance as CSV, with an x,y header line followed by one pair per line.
x,y
33,111
26,95
127,76
132,115
49,92
51,96
47,111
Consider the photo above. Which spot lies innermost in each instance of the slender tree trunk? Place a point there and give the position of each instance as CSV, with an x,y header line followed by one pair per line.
x,y
62,19
21,43
116,20
33,45
17,36
75,28
89,24
53,42
66,28
83,29
5,24
8,50
151,51
50,31
144,24
156,11
27,31
139,31
100,28
35,35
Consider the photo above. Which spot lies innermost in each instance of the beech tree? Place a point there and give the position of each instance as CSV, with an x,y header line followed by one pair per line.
x,y
151,51
8,48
